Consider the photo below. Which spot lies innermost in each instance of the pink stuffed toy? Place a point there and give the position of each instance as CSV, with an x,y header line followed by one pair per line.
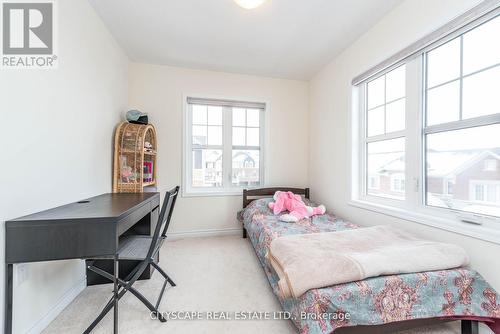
x,y
288,201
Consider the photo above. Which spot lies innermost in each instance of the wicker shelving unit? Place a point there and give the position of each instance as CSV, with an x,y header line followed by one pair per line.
x,y
134,158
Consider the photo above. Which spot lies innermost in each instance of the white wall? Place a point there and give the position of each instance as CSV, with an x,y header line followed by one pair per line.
x,y
159,90
56,129
330,93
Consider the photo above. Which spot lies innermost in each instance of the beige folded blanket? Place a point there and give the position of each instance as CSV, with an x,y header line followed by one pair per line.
x,y
309,261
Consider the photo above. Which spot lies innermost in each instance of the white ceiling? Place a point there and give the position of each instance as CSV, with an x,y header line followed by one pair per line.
x,y
283,38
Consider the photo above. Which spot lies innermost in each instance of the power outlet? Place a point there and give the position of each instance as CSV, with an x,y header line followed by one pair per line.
x,y
22,273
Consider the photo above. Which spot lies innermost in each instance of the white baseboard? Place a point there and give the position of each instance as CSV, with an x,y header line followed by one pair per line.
x,y
68,297
204,233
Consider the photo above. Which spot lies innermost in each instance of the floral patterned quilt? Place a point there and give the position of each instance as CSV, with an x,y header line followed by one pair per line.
x,y
458,293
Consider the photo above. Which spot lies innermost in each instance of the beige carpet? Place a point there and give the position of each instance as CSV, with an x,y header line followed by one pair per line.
x,y
213,274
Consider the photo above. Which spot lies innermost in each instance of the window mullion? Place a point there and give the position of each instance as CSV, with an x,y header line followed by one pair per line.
x,y
388,136
463,124
414,140
262,137
241,147
189,147
363,165
385,103
227,147
460,108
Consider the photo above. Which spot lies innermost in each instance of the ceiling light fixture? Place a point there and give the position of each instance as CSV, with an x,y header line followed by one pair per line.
x,y
249,4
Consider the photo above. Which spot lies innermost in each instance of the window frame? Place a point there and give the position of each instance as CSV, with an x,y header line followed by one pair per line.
x,y
414,207
227,189
363,139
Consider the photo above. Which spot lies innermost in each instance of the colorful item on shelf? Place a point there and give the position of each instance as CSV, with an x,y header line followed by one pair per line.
x,y
127,174
148,147
148,172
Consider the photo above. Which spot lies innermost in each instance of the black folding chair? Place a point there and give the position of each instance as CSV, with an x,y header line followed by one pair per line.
x,y
143,249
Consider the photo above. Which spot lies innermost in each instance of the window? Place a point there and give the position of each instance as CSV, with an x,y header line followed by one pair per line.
x,y
398,182
374,182
246,147
460,94
427,130
478,192
490,165
483,191
449,187
223,146
385,138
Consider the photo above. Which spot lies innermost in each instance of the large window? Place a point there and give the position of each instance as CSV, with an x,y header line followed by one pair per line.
x,y
223,146
428,130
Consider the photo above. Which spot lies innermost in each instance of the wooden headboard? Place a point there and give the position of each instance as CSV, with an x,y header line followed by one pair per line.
x,y
251,194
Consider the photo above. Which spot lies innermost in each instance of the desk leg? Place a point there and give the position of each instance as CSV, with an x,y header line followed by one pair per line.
x,y
115,291
9,272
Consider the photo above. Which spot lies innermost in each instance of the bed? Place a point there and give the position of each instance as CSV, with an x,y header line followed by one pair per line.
x,y
396,301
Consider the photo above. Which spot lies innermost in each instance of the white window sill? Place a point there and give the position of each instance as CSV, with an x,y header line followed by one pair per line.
x,y
455,226
238,192
216,192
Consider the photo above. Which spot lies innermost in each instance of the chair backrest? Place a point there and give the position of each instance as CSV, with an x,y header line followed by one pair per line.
x,y
164,218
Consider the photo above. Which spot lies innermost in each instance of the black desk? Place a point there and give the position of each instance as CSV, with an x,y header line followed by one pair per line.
x,y
85,229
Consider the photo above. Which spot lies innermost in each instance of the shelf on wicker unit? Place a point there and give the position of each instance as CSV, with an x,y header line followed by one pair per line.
x,y
130,151
131,157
